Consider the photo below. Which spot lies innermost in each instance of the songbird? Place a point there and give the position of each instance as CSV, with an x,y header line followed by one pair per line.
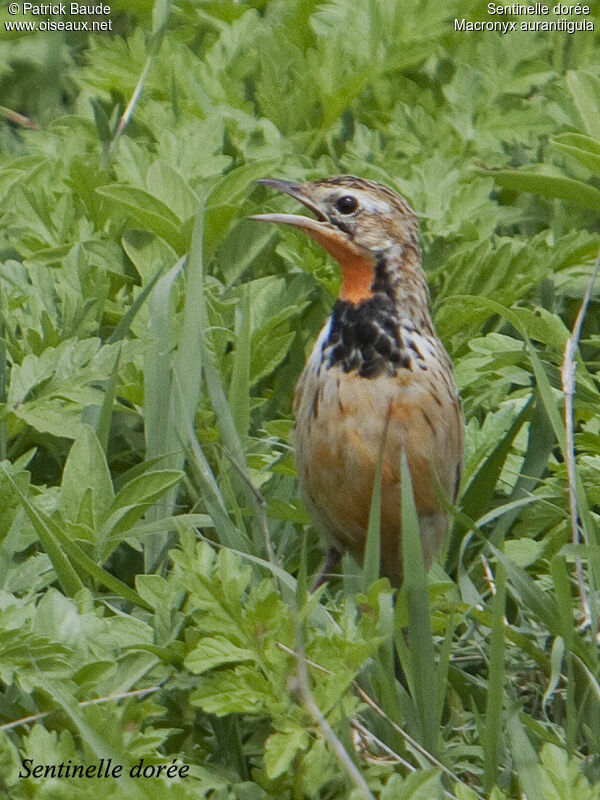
x,y
377,369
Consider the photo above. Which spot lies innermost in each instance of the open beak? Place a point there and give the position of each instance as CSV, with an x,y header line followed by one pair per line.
x,y
332,239
296,190
357,266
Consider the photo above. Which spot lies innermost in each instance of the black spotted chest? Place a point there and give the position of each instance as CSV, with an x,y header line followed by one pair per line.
x,y
366,338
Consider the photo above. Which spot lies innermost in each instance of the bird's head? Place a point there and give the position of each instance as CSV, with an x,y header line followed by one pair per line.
x,y
369,229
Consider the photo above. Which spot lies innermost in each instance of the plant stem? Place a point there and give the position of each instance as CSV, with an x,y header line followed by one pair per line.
x,y
568,369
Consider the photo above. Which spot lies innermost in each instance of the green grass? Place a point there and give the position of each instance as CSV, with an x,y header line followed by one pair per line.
x,y
154,550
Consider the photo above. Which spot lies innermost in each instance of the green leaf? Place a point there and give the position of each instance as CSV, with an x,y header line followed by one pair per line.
x,y
187,363
147,211
244,691
227,533
562,778
292,510
49,537
122,328
160,436
148,252
528,593
372,557
281,749
50,391
223,201
491,446
86,469
241,248
268,351
63,551
583,148
526,759
160,16
214,651
523,552
424,784
144,489
171,413
99,417
548,186
585,90
168,185
98,740
132,501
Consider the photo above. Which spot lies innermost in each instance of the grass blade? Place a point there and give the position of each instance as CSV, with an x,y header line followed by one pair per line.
x,y
160,440
239,389
372,561
67,576
3,386
564,601
122,328
551,407
99,416
539,446
495,694
477,496
172,413
187,363
227,533
419,620
526,760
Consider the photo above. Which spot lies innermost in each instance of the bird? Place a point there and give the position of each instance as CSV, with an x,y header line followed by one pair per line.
x,y
378,381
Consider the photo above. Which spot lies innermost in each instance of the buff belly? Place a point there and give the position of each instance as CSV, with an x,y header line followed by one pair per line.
x,y
340,423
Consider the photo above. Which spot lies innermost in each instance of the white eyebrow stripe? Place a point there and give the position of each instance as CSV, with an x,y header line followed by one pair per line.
x,y
378,206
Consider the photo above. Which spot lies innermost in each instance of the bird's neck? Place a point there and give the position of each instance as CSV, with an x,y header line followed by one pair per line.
x,y
373,336
398,275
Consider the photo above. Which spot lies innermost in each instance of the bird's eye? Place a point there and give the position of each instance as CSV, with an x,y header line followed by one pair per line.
x,y
346,204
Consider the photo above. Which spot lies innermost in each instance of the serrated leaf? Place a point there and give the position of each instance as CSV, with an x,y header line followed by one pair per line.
x,y
281,749
214,651
523,552
267,353
86,469
63,551
421,785
243,691
148,252
170,187
222,204
132,501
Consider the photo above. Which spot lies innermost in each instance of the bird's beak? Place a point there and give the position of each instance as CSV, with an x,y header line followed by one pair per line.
x,y
331,239
296,190
357,266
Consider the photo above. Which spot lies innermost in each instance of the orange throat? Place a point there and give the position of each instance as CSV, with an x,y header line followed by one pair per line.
x,y
357,277
358,269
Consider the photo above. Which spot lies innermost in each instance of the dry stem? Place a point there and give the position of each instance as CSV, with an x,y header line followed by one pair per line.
x,y
96,701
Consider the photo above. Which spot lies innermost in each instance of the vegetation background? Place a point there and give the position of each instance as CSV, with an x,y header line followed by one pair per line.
x,y
154,552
